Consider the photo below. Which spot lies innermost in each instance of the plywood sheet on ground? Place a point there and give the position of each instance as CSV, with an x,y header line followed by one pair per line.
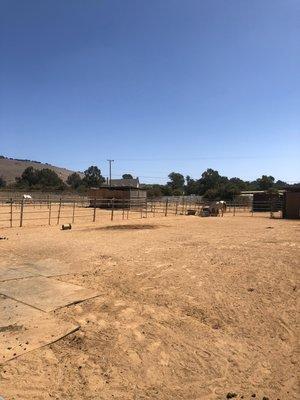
x,y
9,273
51,267
46,267
46,294
23,328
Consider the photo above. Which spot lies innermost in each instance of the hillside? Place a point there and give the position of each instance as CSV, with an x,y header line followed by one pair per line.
x,y
11,168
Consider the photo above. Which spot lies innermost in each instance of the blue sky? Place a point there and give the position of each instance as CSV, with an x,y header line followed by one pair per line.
x,y
157,85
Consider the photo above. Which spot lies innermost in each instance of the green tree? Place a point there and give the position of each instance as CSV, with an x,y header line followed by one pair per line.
x,y
280,184
176,181
40,179
28,178
93,177
127,176
265,182
211,179
153,191
74,180
192,186
211,194
223,192
228,191
238,183
48,178
166,190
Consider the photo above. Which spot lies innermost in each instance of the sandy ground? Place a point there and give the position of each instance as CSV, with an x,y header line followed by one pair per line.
x,y
190,308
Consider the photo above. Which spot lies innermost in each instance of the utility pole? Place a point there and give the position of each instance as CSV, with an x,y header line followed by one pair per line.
x,y
110,161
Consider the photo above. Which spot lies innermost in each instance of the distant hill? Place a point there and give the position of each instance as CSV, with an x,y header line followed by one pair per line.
x,y
11,168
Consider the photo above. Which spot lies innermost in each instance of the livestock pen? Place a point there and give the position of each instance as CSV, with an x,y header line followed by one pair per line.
x,y
47,211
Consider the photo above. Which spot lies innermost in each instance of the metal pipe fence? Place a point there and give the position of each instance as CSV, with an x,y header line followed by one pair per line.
x,y
45,212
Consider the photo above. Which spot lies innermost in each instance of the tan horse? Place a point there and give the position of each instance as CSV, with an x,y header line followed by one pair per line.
x,y
217,207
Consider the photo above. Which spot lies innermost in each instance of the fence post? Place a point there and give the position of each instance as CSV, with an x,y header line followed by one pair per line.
x,y
141,208
166,211
58,213
123,212
146,208
234,209
271,209
21,213
176,208
94,215
73,213
11,212
112,209
49,219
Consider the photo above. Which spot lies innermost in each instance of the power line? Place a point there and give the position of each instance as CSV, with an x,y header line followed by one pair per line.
x,y
244,157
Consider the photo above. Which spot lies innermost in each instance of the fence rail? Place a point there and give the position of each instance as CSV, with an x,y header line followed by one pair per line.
x,y
42,212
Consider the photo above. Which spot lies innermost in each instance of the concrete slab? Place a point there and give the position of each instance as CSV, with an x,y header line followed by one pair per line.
x,y
23,329
45,294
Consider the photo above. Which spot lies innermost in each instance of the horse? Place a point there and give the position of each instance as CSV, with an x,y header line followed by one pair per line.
x,y
218,207
26,197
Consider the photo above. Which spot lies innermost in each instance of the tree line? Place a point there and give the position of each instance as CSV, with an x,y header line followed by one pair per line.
x,y
47,179
210,185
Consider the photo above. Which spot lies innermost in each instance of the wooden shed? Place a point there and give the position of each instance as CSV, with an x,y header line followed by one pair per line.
x,y
120,197
291,203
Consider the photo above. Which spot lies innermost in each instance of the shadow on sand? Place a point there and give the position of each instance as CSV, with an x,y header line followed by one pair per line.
x,y
121,227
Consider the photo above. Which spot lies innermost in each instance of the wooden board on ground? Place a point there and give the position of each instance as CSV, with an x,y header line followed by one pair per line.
x,y
9,273
51,267
45,294
46,267
23,328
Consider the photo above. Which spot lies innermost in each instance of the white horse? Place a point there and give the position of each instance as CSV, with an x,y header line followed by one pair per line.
x,y
26,197
222,204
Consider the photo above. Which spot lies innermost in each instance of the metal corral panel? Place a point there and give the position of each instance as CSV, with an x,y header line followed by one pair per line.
x,y
291,209
263,202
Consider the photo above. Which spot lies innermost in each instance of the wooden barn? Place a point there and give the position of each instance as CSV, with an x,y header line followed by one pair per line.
x,y
291,203
116,196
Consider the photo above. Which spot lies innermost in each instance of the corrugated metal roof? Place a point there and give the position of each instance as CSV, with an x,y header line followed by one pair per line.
x,y
132,183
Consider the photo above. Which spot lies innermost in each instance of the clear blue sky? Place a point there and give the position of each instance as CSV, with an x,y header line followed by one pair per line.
x,y
157,85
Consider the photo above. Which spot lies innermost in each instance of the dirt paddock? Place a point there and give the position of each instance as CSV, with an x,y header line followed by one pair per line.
x,y
189,308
